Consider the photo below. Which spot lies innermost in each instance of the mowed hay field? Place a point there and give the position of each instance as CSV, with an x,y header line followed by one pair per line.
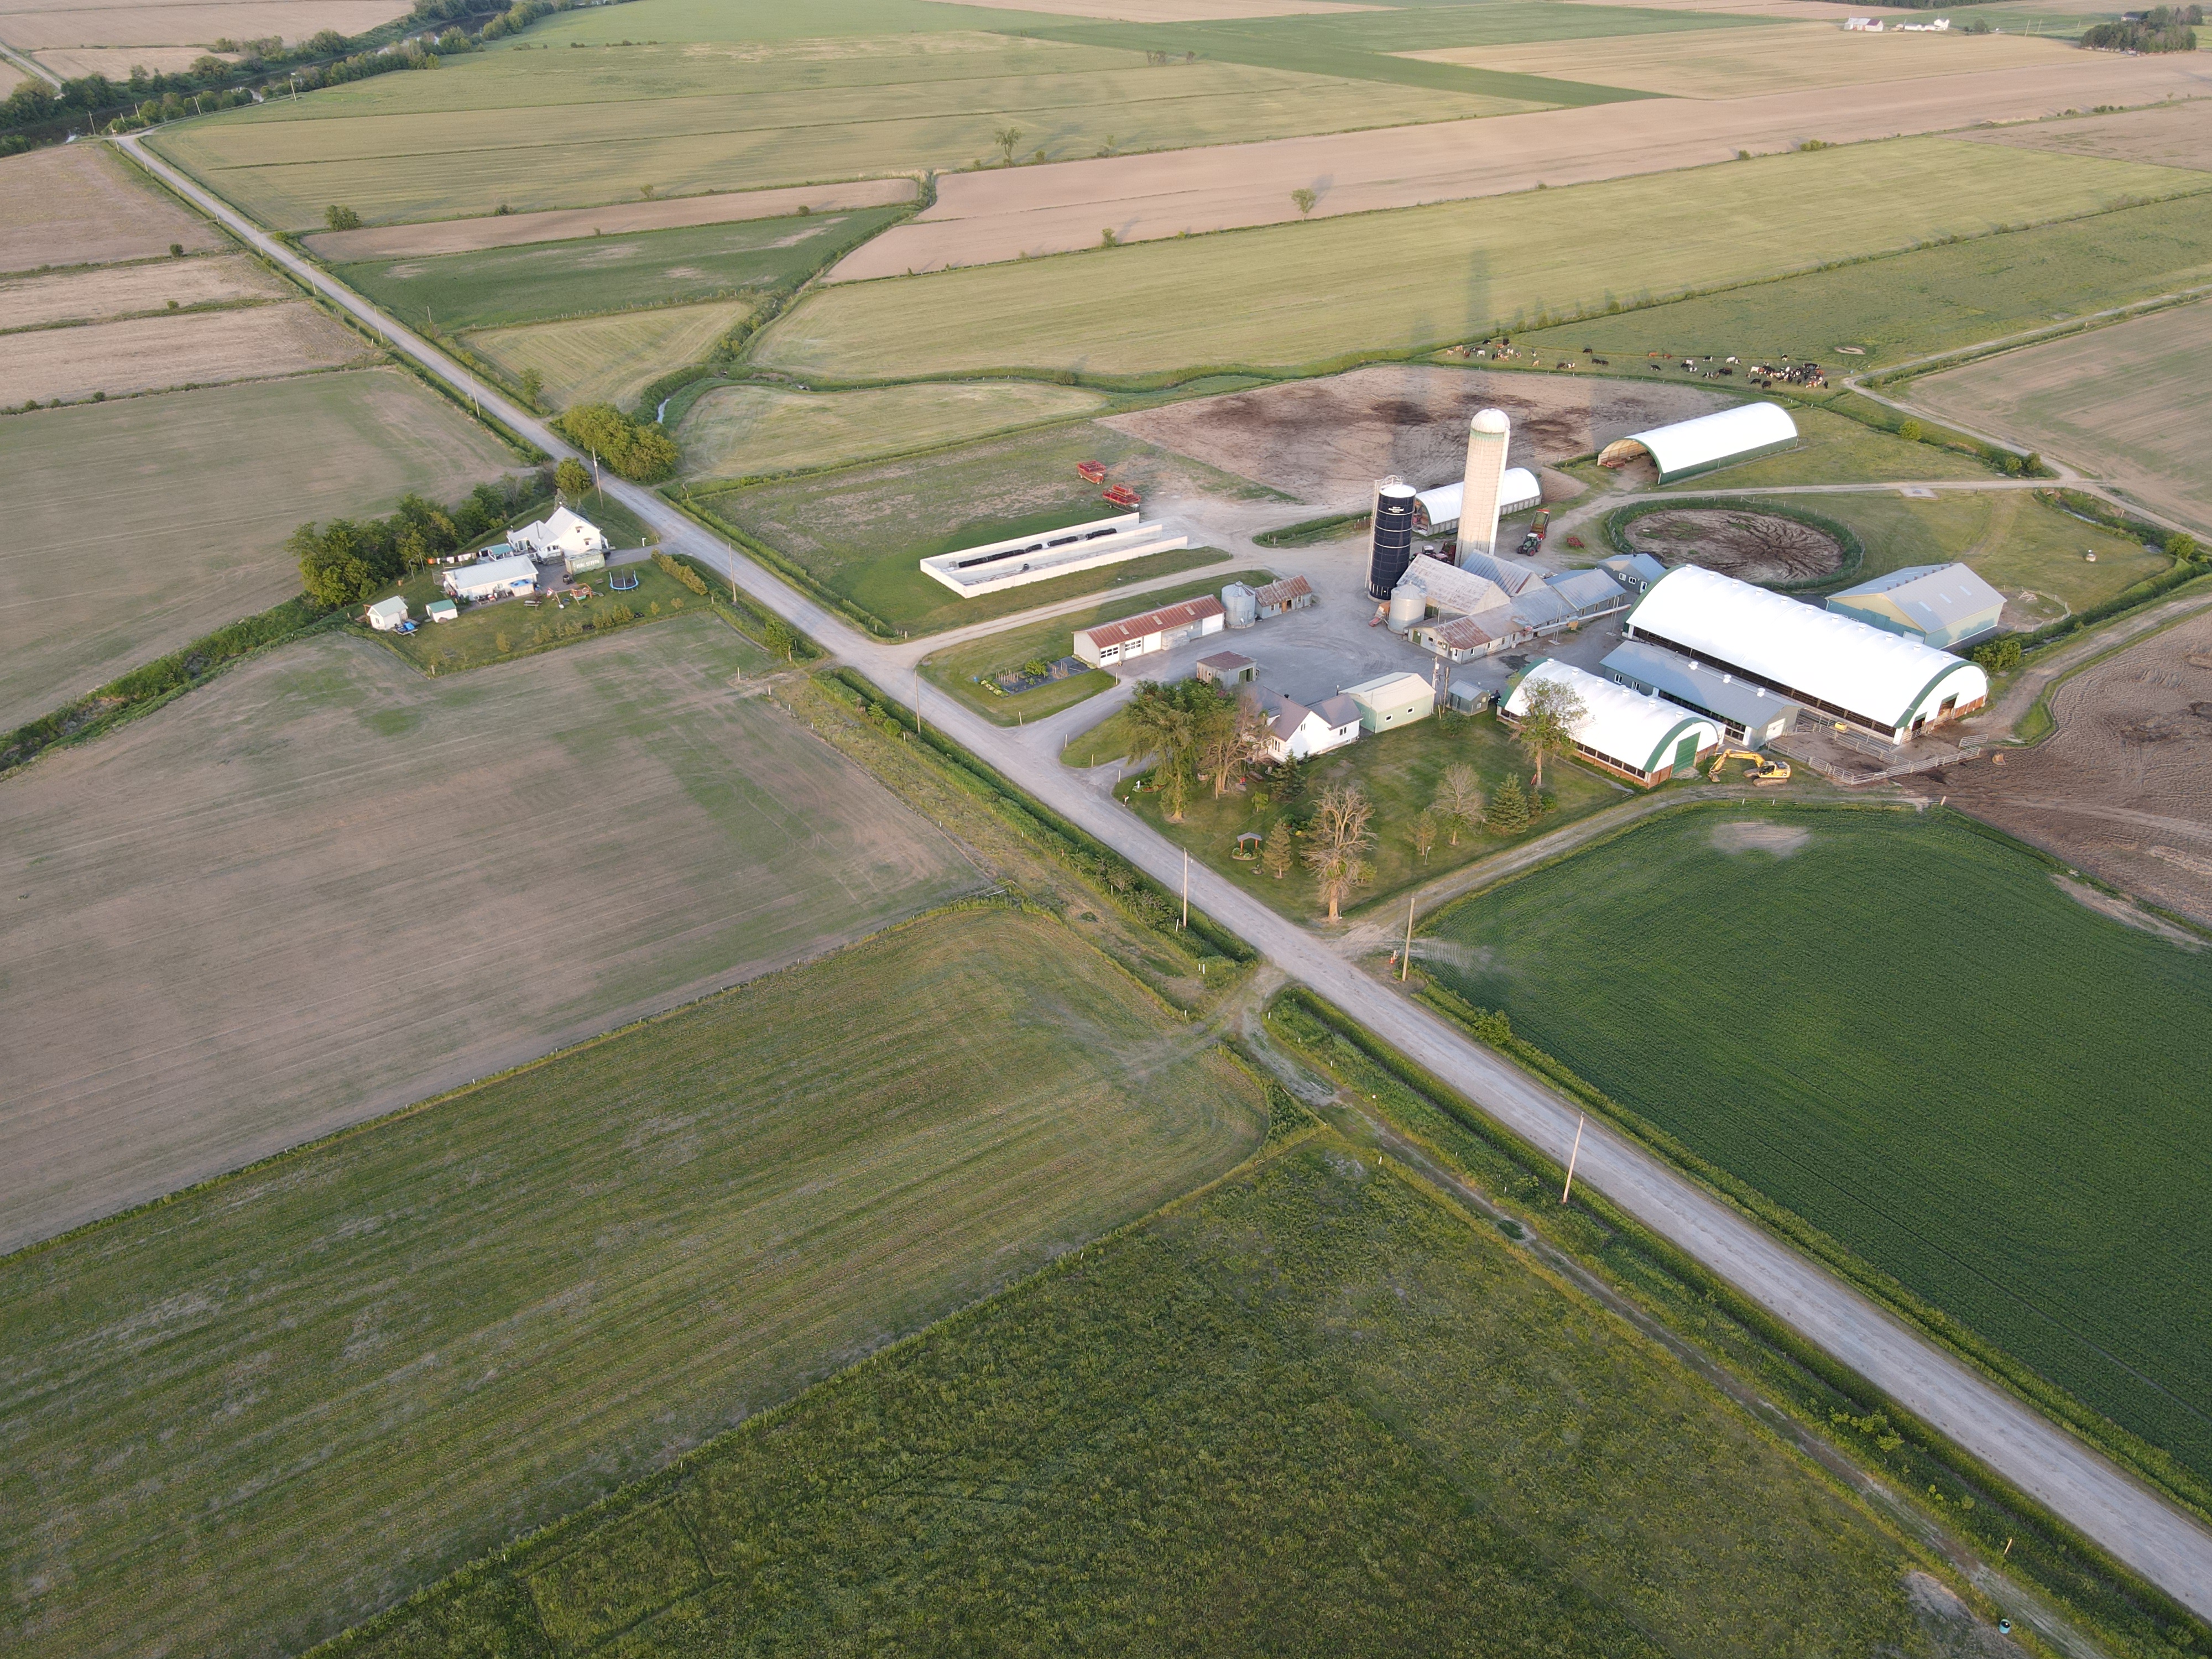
x,y
735,431
609,359
712,107
90,293
75,205
566,1278
31,25
155,354
1905,1031
143,523
2173,136
2125,403
1297,294
326,886
1312,1411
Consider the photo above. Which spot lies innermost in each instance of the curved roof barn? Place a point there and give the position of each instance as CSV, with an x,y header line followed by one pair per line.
x,y
1688,447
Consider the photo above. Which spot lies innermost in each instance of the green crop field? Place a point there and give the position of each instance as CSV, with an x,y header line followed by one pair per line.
x,y
340,1375
593,274
719,104
1908,1033
862,533
1302,294
740,431
1930,300
1312,1412
608,359
143,523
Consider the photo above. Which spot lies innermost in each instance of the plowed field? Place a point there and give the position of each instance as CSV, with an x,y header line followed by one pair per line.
x,y
153,354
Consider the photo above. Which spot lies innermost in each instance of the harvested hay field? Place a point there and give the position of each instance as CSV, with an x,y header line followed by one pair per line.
x,y
2178,135
983,218
152,353
116,62
33,26
1325,441
1717,64
2125,403
91,293
1753,547
610,359
1293,294
77,205
572,1275
142,524
339,247
326,886
737,431
2123,788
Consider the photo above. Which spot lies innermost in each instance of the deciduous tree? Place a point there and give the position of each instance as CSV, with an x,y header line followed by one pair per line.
x,y
1459,799
1337,844
573,479
1425,833
1548,719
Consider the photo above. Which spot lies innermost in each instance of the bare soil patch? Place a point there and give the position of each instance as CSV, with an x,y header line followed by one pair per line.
x,y
1750,836
2122,787
326,886
77,205
982,218
2127,912
563,224
89,294
1753,547
1327,440
152,353
2177,135
29,26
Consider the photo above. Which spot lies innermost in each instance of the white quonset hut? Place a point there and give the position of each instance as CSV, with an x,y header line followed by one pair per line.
x,y
493,578
1888,684
1020,560
1645,739
1689,447
1439,509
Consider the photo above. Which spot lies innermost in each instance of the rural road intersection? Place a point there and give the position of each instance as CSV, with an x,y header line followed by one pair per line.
x,y
2120,1514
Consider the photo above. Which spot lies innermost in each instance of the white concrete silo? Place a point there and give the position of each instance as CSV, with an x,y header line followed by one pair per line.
x,y
1488,439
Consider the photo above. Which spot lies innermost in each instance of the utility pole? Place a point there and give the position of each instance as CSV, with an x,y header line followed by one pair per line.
x,y
1185,922
1404,966
917,695
1572,1157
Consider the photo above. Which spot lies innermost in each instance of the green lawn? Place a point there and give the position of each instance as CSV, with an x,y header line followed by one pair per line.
x,y
961,669
1904,1031
1398,770
594,274
1836,449
1312,1412
486,633
1303,293
862,533
1930,299
342,1374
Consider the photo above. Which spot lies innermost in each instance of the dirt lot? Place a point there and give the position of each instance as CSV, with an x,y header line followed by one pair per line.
x,y
31,25
153,353
2177,135
1753,547
1327,441
981,218
89,294
2123,788
516,229
77,205
324,887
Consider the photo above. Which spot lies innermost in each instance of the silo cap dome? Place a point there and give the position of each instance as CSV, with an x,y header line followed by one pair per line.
x,y
1491,420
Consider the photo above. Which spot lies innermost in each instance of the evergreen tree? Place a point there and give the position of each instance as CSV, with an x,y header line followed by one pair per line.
x,y
1508,812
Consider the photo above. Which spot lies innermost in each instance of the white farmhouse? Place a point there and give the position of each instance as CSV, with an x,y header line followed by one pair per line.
x,y
565,535
1295,731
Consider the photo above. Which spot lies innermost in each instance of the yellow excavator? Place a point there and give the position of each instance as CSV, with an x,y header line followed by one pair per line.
x,y
1763,770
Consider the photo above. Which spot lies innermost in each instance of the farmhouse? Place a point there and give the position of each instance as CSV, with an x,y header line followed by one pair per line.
x,y
1020,560
1889,685
1392,700
1645,739
1748,715
493,578
1939,604
386,615
1295,731
1688,447
565,535
1140,635
1437,510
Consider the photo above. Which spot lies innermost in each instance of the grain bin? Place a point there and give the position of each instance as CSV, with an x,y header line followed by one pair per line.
x,y
1392,549
1409,603
1242,603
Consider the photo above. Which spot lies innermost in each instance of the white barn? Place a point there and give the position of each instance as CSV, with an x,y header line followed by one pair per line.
x,y
1688,447
493,578
1884,683
1439,509
1645,739
565,535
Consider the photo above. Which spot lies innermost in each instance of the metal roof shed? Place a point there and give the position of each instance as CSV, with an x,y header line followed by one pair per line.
x,y
1392,700
1939,604
1688,447
1749,715
1647,739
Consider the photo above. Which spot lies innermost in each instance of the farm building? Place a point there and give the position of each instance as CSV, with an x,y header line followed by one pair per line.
x,y
1295,731
442,611
1438,509
1113,642
1463,638
1589,593
1645,739
1888,684
1688,447
1512,579
1393,701
1748,714
995,566
1291,593
1466,697
1227,668
1390,546
493,578
1633,571
1939,604
564,535
386,615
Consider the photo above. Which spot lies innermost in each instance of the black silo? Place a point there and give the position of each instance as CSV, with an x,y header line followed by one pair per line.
x,y
1392,549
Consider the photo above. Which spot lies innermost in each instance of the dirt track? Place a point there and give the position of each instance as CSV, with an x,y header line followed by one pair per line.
x,y
982,218
1327,441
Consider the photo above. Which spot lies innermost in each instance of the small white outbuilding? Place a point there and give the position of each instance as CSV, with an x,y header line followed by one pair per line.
x,y
386,615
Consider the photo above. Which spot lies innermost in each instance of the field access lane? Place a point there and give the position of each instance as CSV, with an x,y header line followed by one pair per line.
x,y
2120,1514
984,218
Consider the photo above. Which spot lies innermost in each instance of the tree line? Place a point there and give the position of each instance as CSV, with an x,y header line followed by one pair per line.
x,y
641,451
2162,28
346,560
